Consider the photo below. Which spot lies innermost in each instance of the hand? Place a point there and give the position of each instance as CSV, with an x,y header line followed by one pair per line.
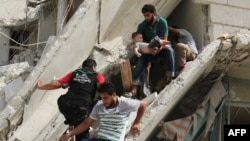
x,y
64,137
135,130
138,54
39,83
155,50
165,46
164,42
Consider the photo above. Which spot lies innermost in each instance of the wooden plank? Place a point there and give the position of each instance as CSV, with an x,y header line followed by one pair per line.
x,y
126,75
239,72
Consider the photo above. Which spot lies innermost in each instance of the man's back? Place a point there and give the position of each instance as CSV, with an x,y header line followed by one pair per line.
x,y
186,38
82,86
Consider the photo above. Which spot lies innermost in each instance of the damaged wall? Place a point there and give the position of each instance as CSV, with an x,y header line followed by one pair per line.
x,y
52,65
4,48
226,16
73,45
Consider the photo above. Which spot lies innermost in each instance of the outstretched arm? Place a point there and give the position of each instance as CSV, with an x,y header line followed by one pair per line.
x,y
60,83
79,129
135,127
49,86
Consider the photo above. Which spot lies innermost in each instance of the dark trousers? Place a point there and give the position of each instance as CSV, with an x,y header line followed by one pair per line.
x,y
74,115
166,55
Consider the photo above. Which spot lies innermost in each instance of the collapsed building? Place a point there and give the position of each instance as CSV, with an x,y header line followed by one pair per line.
x,y
54,37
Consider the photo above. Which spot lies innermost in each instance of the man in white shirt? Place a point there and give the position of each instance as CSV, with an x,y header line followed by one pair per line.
x,y
113,113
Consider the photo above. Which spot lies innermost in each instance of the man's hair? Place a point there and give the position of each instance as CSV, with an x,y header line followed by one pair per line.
x,y
148,8
134,34
106,87
89,63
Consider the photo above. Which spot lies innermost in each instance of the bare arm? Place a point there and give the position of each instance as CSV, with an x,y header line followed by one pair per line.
x,y
136,51
147,50
140,112
49,86
79,129
164,44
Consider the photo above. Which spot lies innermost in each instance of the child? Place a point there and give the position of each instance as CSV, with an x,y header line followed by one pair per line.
x,y
140,47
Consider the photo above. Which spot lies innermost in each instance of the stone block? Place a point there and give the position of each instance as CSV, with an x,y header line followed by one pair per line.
x,y
246,17
239,3
242,43
13,87
226,44
226,15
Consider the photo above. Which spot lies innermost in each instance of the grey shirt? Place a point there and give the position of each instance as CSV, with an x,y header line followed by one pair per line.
x,y
113,121
186,38
140,44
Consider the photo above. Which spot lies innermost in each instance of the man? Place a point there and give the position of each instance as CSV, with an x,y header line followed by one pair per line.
x,y
152,26
113,113
185,46
77,103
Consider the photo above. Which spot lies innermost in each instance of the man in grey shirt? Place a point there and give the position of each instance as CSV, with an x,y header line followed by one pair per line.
x,y
185,47
112,112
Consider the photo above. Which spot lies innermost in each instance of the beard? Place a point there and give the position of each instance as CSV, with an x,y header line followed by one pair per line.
x,y
111,105
151,20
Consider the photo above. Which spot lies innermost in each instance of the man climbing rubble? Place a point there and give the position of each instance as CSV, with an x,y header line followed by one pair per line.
x,y
112,112
78,102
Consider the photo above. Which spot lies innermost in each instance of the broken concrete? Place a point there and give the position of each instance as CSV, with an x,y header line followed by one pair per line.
x,y
28,108
19,16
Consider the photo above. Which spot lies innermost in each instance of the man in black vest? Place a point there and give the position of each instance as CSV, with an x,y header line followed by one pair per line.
x,y
78,102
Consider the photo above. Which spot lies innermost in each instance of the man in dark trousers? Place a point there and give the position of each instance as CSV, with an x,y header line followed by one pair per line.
x,y
78,102
112,112
154,26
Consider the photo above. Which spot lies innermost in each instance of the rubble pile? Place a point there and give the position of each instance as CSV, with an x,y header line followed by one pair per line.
x,y
8,74
32,57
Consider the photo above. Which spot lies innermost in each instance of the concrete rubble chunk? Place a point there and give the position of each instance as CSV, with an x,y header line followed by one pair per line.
x,y
241,57
226,44
17,118
242,42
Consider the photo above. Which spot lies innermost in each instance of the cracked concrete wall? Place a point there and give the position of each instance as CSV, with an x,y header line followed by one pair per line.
x,y
52,65
76,42
226,16
19,16
11,79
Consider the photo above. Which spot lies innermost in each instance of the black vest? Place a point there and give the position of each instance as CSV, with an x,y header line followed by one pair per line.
x,y
82,87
